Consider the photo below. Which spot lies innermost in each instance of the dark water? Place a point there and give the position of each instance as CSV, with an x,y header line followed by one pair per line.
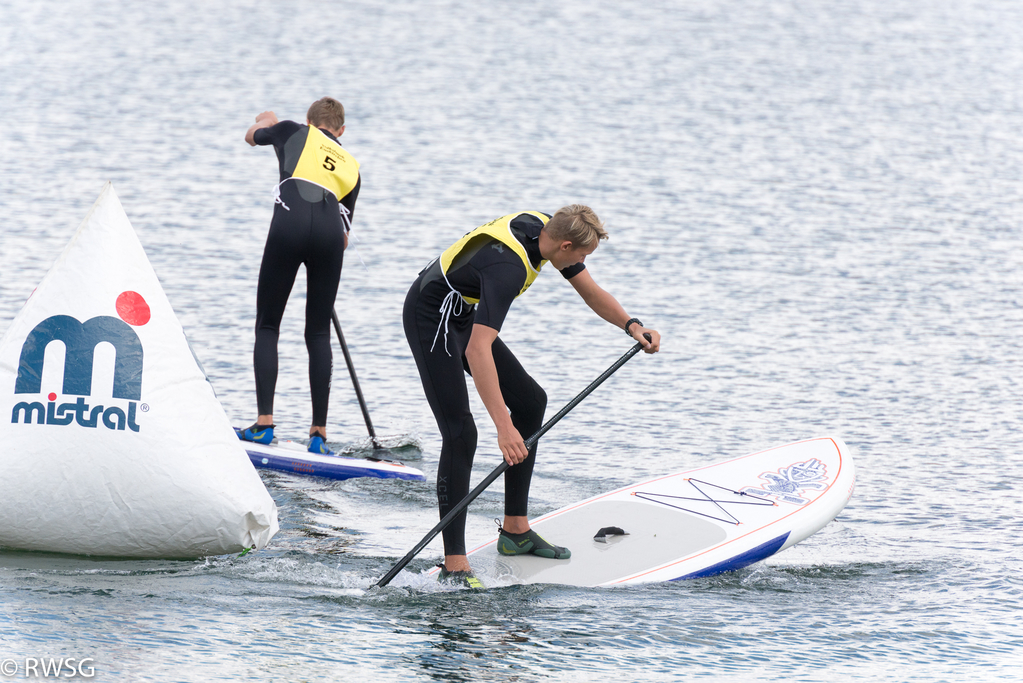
x,y
817,203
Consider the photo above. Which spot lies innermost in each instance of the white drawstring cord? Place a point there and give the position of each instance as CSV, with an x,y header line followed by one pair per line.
x,y
352,239
346,216
277,195
447,308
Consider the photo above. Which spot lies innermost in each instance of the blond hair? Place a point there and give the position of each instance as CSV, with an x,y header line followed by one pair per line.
x,y
578,224
326,112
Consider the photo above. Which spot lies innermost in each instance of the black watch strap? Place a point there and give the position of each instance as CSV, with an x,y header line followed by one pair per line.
x,y
629,322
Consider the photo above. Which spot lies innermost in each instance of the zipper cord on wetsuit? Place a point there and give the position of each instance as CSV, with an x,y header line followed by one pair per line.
x,y
453,304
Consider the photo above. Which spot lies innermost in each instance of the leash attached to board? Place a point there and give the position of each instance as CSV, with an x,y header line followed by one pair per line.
x,y
355,380
464,503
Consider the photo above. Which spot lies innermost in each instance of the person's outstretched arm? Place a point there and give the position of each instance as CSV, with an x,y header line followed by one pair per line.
x,y
608,308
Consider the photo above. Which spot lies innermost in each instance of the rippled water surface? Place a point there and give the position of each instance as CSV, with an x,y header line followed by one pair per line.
x,y
817,203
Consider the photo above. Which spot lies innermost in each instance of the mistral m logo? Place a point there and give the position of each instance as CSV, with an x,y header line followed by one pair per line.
x,y
80,341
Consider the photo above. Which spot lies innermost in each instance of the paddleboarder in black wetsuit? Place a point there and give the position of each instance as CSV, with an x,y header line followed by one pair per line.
x,y
313,209
452,317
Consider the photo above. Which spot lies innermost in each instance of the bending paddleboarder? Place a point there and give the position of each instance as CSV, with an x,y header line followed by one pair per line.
x,y
313,207
452,316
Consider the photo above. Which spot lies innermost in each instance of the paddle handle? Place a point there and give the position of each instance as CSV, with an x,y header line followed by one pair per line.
x,y
490,478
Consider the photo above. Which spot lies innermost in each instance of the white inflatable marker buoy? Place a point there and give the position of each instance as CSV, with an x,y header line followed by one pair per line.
x,y
114,442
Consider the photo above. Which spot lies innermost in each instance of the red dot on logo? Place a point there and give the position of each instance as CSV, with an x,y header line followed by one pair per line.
x,y
132,308
52,396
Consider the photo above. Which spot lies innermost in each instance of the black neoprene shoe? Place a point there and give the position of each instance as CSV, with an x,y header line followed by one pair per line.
x,y
530,543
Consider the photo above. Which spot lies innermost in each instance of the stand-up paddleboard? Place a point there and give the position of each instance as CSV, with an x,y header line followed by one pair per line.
x,y
690,524
290,456
113,440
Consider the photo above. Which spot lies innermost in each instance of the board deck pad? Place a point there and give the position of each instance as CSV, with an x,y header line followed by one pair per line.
x,y
656,535
689,524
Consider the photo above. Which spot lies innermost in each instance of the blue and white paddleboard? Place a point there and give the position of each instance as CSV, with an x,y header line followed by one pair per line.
x,y
691,524
290,456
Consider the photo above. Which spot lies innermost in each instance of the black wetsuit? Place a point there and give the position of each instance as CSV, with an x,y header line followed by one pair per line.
x,y
311,232
495,275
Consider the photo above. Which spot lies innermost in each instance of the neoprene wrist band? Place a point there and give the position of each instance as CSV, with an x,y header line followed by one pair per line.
x,y
629,323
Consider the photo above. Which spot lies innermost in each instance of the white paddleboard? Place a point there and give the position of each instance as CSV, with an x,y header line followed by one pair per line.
x,y
291,456
691,524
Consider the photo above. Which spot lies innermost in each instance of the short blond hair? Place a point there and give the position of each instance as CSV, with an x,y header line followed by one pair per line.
x,y
326,112
578,224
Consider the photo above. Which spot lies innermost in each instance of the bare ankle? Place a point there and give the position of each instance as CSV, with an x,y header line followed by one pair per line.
x,y
457,563
515,524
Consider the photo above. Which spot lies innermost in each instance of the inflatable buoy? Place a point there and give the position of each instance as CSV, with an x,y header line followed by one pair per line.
x,y
113,441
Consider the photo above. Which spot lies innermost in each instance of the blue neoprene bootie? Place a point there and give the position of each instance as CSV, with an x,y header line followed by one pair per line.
x,y
263,434
319,446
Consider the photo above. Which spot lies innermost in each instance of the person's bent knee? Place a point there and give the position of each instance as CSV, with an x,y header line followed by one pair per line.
x,y
536,408
541,398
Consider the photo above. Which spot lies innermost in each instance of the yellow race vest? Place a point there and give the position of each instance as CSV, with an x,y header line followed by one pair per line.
x,y
325,163
498,229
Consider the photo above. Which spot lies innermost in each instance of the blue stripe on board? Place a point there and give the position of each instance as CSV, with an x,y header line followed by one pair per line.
x,y
344,468
739,561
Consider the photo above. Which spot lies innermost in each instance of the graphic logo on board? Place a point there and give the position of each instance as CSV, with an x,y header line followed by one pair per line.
x,y
80,341
788,483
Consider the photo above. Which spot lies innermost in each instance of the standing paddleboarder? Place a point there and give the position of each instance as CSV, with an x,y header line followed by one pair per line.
x,y
452,316
313,207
